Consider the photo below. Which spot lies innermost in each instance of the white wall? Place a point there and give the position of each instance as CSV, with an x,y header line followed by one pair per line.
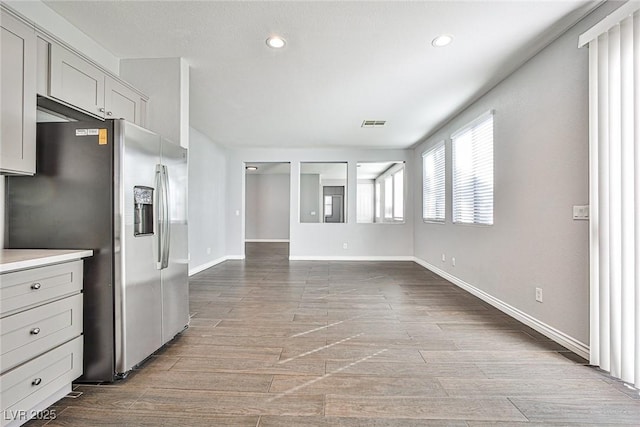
x,y
267,207
389,241
166,82
541,169
207,201
310,210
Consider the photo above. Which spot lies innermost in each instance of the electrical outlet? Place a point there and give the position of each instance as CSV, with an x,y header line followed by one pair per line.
x,y
539,294
208,251
444,258
345,245
453,261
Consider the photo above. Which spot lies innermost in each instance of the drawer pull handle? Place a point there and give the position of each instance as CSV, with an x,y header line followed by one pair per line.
x,y
35,331
37,381
36,286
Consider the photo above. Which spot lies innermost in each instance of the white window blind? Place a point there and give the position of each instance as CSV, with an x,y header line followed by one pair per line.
x,y
472,149
433,184
328,206
398,195
365,202
614,191
378,195
388,197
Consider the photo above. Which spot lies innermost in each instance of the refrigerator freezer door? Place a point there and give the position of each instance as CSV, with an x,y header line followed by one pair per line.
x,y
138,291
68,205
175,280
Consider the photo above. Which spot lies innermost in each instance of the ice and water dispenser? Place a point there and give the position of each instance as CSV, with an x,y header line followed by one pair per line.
x,y
143,210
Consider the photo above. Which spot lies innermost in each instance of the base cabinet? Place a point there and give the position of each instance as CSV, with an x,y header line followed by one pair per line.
x,y
41,343
25,387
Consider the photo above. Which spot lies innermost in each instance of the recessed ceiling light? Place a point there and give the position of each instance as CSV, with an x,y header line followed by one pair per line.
x,y
442,40
276,42
252,168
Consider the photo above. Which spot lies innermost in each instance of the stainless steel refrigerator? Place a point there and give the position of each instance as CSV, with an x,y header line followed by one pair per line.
x,y
120,190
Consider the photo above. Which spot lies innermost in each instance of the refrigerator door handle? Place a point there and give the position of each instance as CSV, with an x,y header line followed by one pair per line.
x,y
166,246
159,235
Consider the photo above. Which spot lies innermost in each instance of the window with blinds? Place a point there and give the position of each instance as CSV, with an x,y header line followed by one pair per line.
x,y
433,184
377,201
365,202
388,197
472,149
398,195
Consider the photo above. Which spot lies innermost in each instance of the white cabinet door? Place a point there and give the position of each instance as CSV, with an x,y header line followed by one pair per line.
x,y
122,102
18,97
42,67
76,81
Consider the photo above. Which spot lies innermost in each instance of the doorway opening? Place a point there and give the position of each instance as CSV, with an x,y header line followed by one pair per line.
x,y
333,197
267,207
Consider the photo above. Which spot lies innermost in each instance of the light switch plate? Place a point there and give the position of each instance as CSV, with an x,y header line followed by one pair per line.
x,y
581,212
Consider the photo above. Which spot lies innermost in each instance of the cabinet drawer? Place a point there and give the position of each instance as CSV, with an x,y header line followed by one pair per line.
x,y
27,385
33,332
28,288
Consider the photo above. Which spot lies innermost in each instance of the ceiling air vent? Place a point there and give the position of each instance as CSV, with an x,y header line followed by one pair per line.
x,y
373,123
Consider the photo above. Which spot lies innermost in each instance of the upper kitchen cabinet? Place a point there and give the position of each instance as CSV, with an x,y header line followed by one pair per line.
x,y
17,96
76,81
82,85
121,102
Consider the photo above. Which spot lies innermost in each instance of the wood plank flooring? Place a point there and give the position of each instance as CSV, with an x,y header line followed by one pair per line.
x,y
279,343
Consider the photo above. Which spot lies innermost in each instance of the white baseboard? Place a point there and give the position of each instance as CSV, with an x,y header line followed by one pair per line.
x,y
206,265
349,258
560,337
202,267
266,240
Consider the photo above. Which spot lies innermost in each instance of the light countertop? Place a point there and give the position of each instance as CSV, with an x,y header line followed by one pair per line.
x,y
19,259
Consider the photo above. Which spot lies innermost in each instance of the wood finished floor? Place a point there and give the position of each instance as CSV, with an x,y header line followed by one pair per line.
x,y
279,343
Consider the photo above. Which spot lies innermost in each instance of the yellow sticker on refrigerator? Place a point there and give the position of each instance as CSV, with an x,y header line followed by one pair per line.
x,y
102,137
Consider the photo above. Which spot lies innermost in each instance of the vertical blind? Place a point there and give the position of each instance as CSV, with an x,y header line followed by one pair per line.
x,y
365,202
614,181
398,195
472,158
388,197
433,184
377,200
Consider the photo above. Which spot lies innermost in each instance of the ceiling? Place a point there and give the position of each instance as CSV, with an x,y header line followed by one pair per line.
x,y
344,62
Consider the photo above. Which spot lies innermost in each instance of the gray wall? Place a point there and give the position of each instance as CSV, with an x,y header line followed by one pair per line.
x,y
319,239
207,200
310,198
267,202
541,169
